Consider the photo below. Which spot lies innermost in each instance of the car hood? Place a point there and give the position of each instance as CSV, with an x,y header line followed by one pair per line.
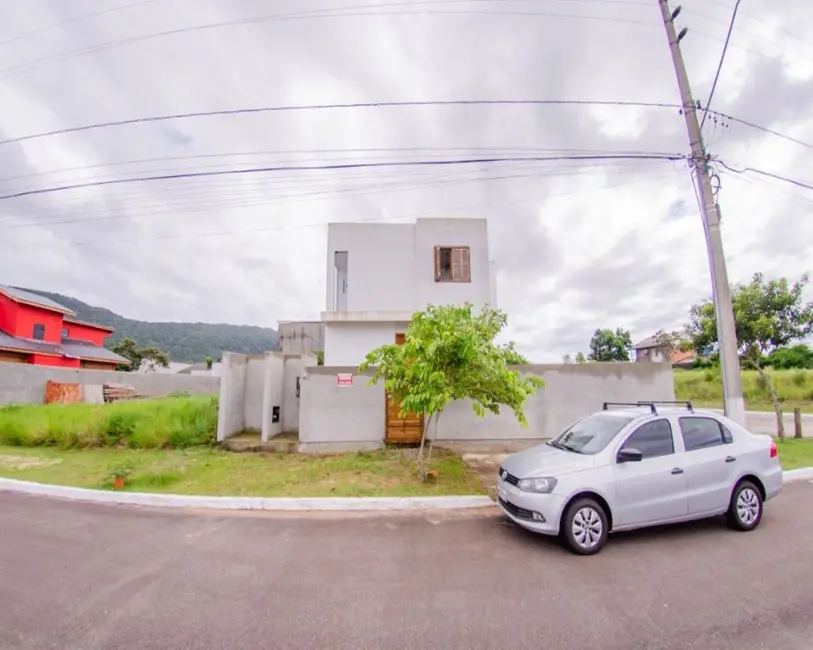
x,y
545,460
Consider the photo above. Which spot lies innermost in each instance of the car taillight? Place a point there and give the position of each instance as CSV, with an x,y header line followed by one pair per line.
x,y
774,450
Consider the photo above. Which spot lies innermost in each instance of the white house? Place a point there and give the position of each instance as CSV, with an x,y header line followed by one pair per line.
x,y
379,274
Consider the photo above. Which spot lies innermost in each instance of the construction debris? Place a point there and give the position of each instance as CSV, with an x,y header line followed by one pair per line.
x,y
116,392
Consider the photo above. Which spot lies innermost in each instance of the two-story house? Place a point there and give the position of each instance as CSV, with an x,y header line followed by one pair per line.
x,y
37,330
379,274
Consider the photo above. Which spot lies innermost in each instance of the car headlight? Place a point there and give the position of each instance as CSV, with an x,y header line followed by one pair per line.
x,y
540,485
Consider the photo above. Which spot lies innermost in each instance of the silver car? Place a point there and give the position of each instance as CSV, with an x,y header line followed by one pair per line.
x,y
635,465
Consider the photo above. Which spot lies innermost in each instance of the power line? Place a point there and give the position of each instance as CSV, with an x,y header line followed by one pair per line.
x,y
765,129
313,107
338,166
762,172
720,64
81,17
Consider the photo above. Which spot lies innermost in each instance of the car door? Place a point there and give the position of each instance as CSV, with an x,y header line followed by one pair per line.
x,y
652,490
710,465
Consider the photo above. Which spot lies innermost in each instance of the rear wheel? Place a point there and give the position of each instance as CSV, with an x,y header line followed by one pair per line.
x,y
584,527
745,509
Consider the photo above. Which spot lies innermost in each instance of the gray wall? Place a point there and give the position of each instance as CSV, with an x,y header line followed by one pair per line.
x,y
332,415
231,415
25,384
300,337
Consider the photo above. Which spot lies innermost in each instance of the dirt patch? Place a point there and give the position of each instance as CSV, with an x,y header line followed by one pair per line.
x,y
26,462
485,466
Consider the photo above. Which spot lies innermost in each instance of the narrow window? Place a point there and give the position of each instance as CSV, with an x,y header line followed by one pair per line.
x,y
340,279
65,333
452,264
39,331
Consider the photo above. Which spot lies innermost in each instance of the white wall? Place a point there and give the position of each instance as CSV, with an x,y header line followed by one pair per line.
x,y
451,232
231,414
346,344
380,265
253,393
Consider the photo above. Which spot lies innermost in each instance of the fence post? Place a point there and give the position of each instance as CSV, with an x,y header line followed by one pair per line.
x,y
797,422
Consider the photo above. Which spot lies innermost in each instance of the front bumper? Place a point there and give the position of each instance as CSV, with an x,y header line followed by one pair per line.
x,y
519,507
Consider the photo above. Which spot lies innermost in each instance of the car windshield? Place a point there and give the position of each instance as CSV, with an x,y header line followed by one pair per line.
x,y
591,434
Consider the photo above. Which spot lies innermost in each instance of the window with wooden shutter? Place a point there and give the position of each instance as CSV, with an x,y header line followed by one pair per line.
x,y
452,264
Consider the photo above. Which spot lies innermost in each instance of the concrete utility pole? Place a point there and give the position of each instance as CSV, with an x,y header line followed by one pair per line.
x,y
724,312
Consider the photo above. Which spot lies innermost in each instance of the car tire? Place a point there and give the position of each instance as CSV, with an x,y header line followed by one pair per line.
x,y
584,527
745,510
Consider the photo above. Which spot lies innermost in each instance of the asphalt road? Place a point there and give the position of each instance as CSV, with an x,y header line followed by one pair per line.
x,y
76,576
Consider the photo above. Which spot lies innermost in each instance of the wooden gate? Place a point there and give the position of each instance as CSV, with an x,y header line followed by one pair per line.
x,y
401,431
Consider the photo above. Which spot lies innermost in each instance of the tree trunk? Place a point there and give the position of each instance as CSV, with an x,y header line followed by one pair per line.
x,y
780,420
426,426
431,445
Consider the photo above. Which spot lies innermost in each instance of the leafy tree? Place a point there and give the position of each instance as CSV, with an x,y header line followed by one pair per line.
x,y
580,358
567,359
320,358
209,363
670,342
607,345
128,349
768,314
449,354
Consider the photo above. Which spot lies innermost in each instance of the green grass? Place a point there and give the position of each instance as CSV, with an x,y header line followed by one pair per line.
x,y
705,388
213,472
177,422
794,453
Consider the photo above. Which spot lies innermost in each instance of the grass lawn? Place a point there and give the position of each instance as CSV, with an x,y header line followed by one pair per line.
x,y
213,472
787,407
795,453
705,389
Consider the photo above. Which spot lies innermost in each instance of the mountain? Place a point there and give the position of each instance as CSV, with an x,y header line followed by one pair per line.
x,y
188,342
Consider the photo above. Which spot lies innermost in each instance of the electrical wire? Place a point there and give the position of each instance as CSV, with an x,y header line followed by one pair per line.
x,y
762,172
356,105
720,64
338,166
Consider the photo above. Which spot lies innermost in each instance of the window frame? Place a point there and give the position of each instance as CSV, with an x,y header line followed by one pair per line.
x,y
38,327
66,333
464,264
726,437
638,428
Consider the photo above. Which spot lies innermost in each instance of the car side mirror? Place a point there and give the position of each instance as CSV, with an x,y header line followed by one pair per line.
x,y
630,455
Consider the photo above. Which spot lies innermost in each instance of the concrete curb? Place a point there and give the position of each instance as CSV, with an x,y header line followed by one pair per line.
x,y
246,503
801,474
278,503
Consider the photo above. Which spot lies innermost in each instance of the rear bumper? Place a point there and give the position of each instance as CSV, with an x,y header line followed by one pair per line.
x,y
539,513
772,481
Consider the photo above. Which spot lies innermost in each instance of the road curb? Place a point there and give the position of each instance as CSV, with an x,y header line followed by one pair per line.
x,y
246,503
801,474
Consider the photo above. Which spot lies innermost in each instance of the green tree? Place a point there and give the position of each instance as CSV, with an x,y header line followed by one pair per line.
x,y
580,358
449,354
320,358
671,342
567,358
768,315
607,345
209,363
796,356
128,349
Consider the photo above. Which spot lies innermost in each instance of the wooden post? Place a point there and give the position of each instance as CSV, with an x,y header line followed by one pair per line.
x,y
797,422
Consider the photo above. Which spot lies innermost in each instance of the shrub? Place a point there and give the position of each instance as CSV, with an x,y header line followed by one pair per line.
x,y
143,424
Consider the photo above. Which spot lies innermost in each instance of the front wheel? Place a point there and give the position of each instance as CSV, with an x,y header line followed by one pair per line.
x,y
745,509
584,527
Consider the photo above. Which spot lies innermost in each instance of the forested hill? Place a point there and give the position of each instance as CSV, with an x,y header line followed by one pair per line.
x,y
189,342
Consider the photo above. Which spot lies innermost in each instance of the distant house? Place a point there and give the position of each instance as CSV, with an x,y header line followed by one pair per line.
x,y
39,331
201,369
650,351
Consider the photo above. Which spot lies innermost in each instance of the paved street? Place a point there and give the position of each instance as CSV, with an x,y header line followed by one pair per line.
x,y
765,422
87,576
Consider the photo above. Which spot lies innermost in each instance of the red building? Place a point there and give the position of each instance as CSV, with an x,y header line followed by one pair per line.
x,y
34,329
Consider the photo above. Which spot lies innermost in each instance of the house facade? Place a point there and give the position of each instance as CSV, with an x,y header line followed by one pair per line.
x,y
39,331
379,274
651,351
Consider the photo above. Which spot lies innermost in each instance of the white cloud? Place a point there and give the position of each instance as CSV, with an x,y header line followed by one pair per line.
x,y
579,246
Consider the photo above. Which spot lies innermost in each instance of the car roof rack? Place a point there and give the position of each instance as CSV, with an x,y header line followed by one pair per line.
x,y
652,404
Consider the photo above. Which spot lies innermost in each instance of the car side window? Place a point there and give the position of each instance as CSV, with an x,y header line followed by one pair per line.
x,y
702,433
652,439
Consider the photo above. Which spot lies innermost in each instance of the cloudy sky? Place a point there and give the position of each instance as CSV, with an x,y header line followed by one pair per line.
x,y
579,245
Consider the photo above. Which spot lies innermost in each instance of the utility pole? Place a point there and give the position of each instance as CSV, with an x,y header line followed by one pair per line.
x,y
723,310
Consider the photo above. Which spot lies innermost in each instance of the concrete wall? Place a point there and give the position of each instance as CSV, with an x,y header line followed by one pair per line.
x,y
273,386
333,418
338,417
391,267
346,344
25,384
300,337
253,393
231,416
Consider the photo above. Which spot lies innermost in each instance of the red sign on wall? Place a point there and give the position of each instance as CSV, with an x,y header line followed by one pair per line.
x,y
344,379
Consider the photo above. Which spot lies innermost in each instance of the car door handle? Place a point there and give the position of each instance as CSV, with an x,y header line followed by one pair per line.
x,y
730,459
677,470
